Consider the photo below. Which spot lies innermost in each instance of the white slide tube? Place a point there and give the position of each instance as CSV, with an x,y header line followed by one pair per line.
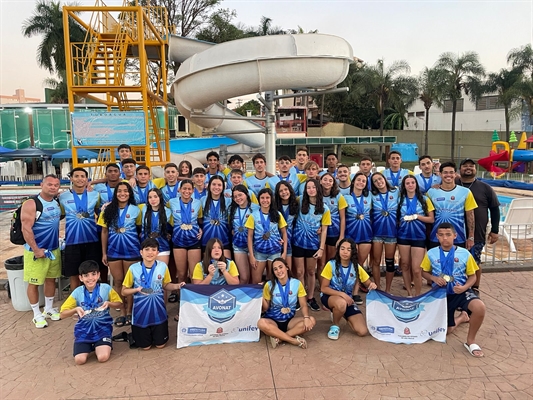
x,y
252,65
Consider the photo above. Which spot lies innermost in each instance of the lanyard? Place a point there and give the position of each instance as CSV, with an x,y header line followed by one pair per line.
x,y
446,262
91,299
384,201
359,205
395,177
142,194
411,205
427,182
155,221
172,192
109,193
241,218
185,211
345,276
146,276
284,178
198,195
369,182
81,204
122,217
265,221
284,292
214,211
285,211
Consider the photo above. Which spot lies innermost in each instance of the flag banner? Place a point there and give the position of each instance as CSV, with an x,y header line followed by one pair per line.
x,y
212,314
407,320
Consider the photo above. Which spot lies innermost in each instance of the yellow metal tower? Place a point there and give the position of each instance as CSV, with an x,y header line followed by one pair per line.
x,y
122,64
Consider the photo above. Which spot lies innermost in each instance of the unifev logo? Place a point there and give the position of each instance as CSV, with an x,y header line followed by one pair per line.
x,y
193,330
222,306
406,311
385,329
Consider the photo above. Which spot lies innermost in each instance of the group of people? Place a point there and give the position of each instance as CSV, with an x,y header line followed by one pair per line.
x,y
222,225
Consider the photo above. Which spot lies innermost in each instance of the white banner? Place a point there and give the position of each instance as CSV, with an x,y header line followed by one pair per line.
x,y
212,314
407,320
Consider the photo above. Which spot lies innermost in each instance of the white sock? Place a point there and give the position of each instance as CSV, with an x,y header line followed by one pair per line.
x,y
36,311
48,303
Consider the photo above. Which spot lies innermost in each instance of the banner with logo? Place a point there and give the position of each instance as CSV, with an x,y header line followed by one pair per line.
x,y
407,320
211,314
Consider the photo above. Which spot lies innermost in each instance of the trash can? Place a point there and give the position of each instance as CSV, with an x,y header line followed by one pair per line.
x,y
17,286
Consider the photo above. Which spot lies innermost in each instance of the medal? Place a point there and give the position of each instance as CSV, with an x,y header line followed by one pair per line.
x,y
384,204
146,278
447,266
385,213
284,293
122,220
147,290
407,218
121,230
447,278
361,216
81,204
242,221
215,222
265,222
153,235
285,310
183,227
80,215
240,229
91,299
188,226
266,236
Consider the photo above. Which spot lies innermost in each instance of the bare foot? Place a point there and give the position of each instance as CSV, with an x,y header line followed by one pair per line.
x,y
462,318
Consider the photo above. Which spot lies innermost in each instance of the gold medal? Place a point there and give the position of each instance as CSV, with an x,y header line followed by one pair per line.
x,y
266,236
361,216
447,278
285,310
241,229
215,222
189,227
385,213
184,227
122,230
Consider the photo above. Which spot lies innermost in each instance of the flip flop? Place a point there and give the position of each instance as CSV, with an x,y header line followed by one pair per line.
x,y
274,341
120,337
302,343
128,320
120,321
172,298
474,347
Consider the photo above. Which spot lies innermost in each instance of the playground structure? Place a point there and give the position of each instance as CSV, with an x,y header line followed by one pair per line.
x,y
516,160
121,64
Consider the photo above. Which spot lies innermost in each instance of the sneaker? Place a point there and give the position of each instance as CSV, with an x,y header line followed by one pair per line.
x,y
334,332
313,305
357,299
52,313
40,322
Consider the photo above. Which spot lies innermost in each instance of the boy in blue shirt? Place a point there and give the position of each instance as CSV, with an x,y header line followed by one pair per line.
x,y
454,267
91,302
146,281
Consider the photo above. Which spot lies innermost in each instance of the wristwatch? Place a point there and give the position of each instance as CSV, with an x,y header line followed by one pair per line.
x,y
471,238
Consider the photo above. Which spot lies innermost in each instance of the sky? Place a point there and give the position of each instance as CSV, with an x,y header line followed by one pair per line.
x,y
414,31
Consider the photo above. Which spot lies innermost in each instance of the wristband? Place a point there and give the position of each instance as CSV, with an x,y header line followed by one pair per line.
x,y
307,317
471,239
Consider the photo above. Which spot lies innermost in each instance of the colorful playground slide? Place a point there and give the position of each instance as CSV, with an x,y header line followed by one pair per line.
x,y
518,157
210,73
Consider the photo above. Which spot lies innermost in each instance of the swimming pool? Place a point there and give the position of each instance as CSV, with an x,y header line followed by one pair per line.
x,y
505,203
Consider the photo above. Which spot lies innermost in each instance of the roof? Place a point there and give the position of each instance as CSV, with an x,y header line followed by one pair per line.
x,y
190,145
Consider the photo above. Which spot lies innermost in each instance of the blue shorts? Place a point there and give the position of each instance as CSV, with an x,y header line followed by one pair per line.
x,y
476,250
350,310
383,239
242,250
455,301
86,348
263,257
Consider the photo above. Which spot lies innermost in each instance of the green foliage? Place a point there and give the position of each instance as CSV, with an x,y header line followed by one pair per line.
x,y
253,105
219,28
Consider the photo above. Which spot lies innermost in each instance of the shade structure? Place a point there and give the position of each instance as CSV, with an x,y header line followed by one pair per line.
x,y
81,153
4,150
29,152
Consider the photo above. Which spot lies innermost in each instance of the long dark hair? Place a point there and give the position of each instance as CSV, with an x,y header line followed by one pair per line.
x,y
352,184
234,206
207,255
375,190
147,223
403,195
111,211
187,163
273,210
293,202
353,259
319,206
209,198
274,279
334,191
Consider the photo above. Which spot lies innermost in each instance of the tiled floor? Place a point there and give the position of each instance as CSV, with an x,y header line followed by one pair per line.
x,y
38,364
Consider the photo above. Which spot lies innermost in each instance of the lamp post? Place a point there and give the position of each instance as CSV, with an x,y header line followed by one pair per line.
x,y
29,111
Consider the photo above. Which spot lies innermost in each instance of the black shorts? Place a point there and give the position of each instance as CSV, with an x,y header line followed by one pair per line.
x,y
134,259
283,325
455,301
197,246
412,242
156,335
300,252
75,254
86,348
332,241
350,310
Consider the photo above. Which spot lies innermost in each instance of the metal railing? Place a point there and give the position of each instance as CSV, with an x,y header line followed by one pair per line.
x,y
514,246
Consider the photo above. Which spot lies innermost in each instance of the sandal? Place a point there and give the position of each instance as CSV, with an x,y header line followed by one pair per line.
x,y
120,321
128,320
302,343
177,318
474,348
274,341
121,337
172,298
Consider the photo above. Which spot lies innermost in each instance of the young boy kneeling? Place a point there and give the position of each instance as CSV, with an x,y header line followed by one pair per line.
x,y
455,268
91,302
147,281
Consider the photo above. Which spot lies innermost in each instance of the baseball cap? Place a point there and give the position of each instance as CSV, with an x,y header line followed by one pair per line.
x,y
467,160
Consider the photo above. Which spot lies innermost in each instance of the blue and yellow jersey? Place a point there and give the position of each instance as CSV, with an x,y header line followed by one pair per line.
x,y
105,191
344,191
415,229
290,220
228,194
154,231
396,178
227,177
124,244
335,204
209,175
266,240
295,180
336,277
426,183
296,290
141,194
80,224
294,169
384,222
307,225
148,309
186,229
46,228
215,222
96,325
255,184
218,278
240,232
450,206
358,228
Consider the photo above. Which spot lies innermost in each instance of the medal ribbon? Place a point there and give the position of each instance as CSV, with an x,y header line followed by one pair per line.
x,y
284,178
446,264
109,192
345,276
155,222
411,205
359,205
369,182
285,292
427,182
198,195
285,211
81,204
395,178
91,299
146,276
265,222
241,218
142,194
185,211
172,193
214,210
122,217
384,201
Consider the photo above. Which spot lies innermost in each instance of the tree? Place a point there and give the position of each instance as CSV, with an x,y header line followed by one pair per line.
x,y
522,58
458,74
265,28
219,28
300,30
252,105
506,84
428,86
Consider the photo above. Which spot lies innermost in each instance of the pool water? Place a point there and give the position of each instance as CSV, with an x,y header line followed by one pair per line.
x,y
505,203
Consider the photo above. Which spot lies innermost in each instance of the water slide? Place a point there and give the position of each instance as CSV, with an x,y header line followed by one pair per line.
x,y
518,157
210,73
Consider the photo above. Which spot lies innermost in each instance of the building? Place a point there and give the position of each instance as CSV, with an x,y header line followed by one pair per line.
x,y
18,97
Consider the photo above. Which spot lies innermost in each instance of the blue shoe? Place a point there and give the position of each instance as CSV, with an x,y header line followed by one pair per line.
x,y
334,332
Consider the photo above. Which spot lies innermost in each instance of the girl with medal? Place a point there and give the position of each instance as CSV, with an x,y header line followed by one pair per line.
x,y
215,214
215,268
288,206
337,208
267,236
414,211
282,295
384,207
120,240
340,279
186,235
358,224
240,209
156,223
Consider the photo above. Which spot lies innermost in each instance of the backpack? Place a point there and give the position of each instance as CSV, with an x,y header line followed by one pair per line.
x,y
15,231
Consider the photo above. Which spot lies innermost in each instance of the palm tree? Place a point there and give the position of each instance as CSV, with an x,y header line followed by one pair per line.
x,y
265,28
522,58
458,74
428,86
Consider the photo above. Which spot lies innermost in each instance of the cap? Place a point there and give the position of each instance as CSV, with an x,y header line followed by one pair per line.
x,y
466,160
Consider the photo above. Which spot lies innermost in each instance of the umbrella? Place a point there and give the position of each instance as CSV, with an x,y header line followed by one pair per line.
x,y
4,150
82,153
30,152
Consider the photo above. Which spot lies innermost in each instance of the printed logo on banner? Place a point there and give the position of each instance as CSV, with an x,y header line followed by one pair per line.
x,y
192,330
385,329
222,306
406,311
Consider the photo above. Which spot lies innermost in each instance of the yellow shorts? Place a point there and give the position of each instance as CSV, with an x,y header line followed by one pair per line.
x,y
36,271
